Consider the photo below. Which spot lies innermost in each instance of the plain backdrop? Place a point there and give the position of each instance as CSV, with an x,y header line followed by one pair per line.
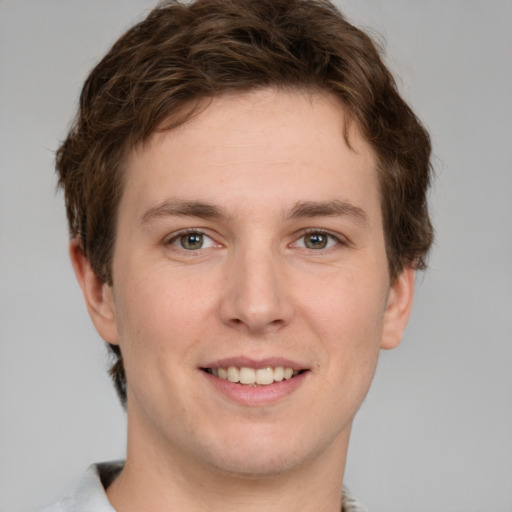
x,y
435,432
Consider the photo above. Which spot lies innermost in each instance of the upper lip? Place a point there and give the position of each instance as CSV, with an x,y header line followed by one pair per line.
x,y
248,362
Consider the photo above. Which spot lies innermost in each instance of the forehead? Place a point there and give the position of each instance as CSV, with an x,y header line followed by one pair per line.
x,y
256,149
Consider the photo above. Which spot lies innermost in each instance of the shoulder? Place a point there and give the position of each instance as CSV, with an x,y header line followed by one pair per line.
x,y
89,492
350,504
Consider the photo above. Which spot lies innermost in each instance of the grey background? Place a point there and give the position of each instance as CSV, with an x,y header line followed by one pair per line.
x,y
435,433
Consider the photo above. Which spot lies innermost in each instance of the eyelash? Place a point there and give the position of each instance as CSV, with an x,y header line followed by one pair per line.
x,y
184,232
318,231
309,231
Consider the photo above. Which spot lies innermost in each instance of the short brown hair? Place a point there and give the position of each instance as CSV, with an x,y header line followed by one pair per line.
x,y
183,53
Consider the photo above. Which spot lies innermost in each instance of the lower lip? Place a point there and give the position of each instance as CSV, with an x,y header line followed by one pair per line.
x,y
256,395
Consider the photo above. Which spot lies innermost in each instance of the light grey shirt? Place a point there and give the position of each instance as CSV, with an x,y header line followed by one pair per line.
x,y
89,493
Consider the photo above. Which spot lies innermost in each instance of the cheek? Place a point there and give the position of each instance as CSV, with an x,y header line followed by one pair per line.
x,y
348,321
162,309
158,325
347,309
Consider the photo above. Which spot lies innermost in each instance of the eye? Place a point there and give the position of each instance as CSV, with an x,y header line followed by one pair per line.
x,y
192,241
317,240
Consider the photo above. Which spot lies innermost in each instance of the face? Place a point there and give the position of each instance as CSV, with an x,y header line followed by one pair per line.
x,y
250,291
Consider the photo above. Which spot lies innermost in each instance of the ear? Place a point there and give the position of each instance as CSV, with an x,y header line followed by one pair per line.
x,y
97,294
398,309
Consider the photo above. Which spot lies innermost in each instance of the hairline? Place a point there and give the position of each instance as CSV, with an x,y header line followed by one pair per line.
x,y
192,107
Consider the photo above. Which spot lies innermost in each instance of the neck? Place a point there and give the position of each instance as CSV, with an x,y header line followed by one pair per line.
x,y
155,482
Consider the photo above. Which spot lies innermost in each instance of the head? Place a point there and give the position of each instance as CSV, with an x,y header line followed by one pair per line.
x,y
165,71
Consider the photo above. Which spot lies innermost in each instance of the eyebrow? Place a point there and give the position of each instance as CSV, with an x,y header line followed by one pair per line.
x,y
334,208
176,208
301,209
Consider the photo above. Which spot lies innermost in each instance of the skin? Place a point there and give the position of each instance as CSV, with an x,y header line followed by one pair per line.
x,y
258,287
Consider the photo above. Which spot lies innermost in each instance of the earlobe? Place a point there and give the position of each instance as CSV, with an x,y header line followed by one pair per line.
x,y
96,292
398,309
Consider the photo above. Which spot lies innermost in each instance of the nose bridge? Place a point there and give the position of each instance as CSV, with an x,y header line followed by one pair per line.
x,y
256,294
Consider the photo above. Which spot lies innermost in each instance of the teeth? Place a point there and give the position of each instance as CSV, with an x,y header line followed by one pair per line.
x,y
233,374
247,375
264,376
278,373
251,376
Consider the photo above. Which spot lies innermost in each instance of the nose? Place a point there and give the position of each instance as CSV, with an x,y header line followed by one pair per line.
x,y
256,296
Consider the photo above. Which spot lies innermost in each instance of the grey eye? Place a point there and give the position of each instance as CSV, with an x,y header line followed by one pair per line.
x,y
191,241
316,240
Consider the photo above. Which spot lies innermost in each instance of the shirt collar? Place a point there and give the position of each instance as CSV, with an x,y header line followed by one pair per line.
x,y
89,493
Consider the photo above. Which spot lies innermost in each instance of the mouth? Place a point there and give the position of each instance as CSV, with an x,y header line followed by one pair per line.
x,y
247,376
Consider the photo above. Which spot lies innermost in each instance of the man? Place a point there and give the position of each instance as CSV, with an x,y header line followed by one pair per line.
x,y
246,194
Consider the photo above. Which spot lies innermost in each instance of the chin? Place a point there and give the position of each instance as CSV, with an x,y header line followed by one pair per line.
x,y
257,466
260,454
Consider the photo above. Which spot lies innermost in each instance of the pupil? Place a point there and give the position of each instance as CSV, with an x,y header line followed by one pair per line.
x,y
316,241
192,241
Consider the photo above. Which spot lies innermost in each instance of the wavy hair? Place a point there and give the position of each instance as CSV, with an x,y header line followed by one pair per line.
x,y
156,73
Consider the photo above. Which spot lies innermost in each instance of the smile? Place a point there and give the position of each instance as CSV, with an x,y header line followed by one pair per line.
x,y
253,376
